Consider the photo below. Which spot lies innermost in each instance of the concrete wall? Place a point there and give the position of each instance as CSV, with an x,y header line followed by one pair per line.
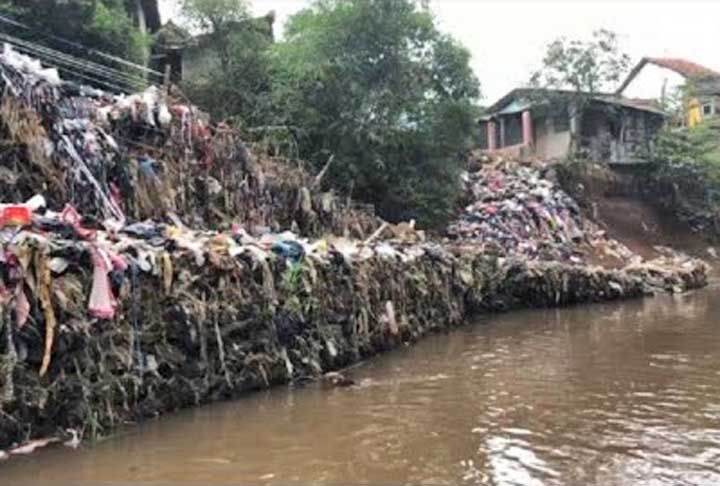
x,y
709,106
518,151
553,145
548,142
625,137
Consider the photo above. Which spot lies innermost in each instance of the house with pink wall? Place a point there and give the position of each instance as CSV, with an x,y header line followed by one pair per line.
x,y
555,124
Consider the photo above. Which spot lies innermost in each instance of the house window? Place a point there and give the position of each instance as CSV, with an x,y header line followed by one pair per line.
x,y
707,109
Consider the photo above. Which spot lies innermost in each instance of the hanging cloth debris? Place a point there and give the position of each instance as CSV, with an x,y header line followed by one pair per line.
x,y
44,283
102,303
22,306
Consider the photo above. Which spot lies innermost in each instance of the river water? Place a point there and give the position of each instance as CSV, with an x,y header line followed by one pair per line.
x,y
612,394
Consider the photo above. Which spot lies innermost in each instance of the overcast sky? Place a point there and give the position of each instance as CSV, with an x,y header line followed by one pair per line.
x,y
507,38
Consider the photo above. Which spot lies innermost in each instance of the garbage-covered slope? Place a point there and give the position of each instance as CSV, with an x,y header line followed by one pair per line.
x,y
514,210
520,209
148,156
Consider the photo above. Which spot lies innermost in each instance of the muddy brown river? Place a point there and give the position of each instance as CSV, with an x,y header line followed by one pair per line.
x,y
619,394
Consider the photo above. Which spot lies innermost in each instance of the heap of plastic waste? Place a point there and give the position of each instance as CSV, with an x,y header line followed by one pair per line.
x,y
514,210
518,210
121,158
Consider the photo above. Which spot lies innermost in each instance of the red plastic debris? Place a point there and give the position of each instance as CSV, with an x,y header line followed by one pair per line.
x,y
15,215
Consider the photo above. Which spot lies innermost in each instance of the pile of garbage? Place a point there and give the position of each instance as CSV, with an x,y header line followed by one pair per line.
x,y
149,262
514,210
100,328
673,272
150,155
518,209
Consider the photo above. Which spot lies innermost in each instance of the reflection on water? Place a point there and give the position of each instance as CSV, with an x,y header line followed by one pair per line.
x,y
608,394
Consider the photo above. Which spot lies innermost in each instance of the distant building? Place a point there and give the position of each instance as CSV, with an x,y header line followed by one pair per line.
x,y
547,123
195,57
698,85
170,43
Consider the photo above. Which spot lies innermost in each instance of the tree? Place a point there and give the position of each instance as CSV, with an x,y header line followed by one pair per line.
x,y
583,66
217,18
239,84
374,83
586,68
214,15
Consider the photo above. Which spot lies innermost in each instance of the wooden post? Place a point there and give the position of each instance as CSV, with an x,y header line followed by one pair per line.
x,y
492,135
166,78
527,128
502,132
575,113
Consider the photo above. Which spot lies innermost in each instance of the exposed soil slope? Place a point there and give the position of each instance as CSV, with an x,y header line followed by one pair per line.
x,y
643,228
615,201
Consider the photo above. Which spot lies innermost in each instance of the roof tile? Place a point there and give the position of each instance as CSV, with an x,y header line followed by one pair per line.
x,y
683,67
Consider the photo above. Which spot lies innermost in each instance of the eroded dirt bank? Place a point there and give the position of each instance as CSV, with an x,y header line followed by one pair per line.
x,y
634,212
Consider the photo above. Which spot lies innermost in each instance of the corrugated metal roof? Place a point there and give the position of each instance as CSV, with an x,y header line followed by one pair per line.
x,y
515,106
638,104
521,99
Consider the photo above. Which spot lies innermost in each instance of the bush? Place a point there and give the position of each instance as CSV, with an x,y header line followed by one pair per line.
x,y
685,177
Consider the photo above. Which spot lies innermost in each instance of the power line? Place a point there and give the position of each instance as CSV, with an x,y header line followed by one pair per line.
x,y
79,67
15,23
70,71
97,81
71,64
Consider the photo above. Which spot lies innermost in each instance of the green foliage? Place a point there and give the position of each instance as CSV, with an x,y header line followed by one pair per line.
x,y
375,84
674,105
583,66
111,30
239,86
214,15
686,175
699,145
103,25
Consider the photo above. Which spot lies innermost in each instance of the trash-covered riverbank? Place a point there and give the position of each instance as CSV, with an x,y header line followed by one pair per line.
x,y
148,265
215,317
